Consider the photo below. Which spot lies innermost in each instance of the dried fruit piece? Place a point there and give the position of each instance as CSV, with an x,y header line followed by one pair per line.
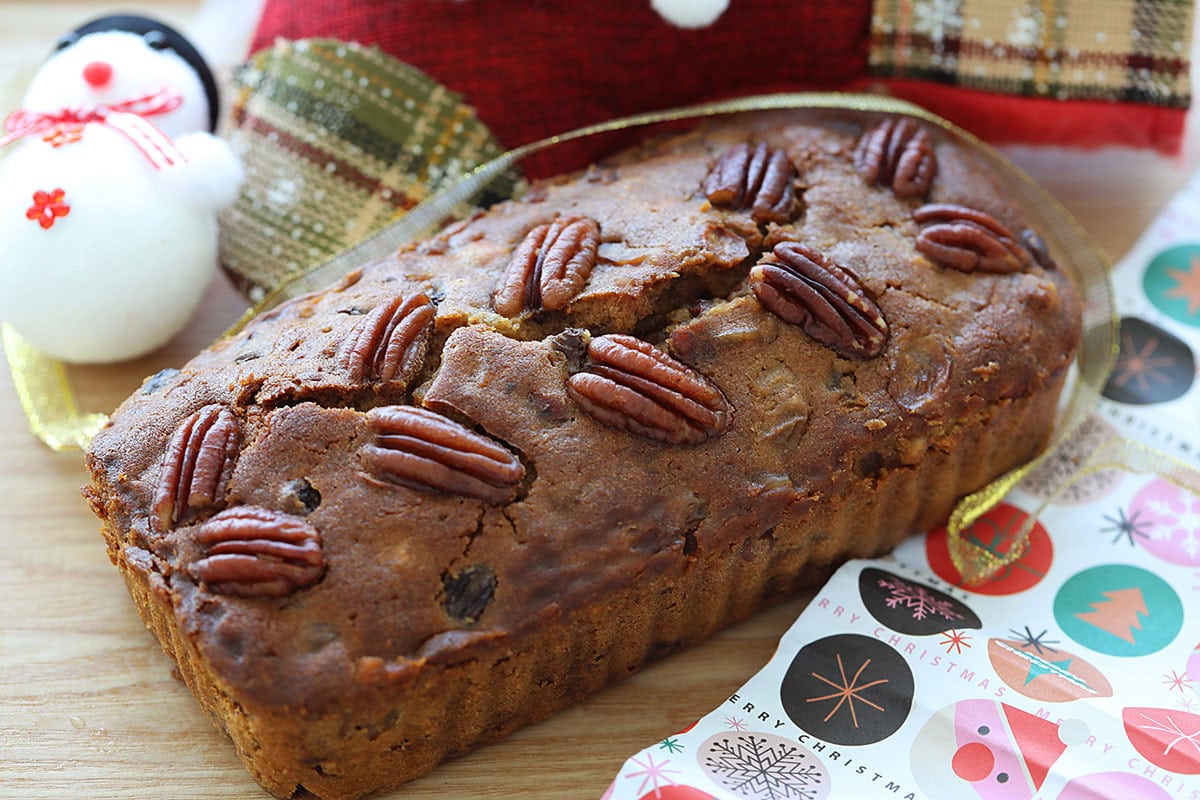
x,y
199,460
1037,248
388,345
549,268
968,240
256,552
421,449
803,287
898,153
632,385
468,592
758,178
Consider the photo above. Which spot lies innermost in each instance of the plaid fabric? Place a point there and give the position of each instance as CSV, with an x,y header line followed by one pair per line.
x,y
338,140
1124,50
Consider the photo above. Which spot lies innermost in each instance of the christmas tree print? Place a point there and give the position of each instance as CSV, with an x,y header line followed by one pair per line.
x,y
763,766
1119,610
1119,613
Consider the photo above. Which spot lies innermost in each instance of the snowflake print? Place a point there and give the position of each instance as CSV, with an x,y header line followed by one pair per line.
x,y
652,773
1024,28
755,766
937,18
670,744
1178,518
847,691
1186,704
735,724
916,599
47,207
955,640
1176,681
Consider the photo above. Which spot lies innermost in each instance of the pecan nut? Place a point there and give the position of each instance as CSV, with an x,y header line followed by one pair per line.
x,y
549,268
199,461
421,449
968,240
388,345
256,552
758,178
632,385
803,287
898,153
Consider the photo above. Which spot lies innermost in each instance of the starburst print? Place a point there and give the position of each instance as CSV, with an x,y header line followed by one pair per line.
x,y
955,640
1142,367
847,691
1031,642
671,745
1185,704
1176,681
1123,526
1169,726
1187,285
653,774
735,724
917,599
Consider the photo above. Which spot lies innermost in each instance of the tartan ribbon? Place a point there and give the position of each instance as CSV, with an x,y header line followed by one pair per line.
x,y
1129,51
127,117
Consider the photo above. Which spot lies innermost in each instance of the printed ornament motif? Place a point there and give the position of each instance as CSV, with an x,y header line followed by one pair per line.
x,y
113,147
1119,610
1112,784
763,766
910,607
989,750
848,689
1168,517
1058,477
1153,365
1172,283
996,533
1165,737
1043,672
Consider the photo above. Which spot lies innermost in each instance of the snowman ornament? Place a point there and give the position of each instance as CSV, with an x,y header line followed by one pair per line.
x,y
110,185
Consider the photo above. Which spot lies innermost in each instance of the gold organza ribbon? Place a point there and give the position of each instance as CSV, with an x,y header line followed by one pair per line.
x,y
1072,247
46,397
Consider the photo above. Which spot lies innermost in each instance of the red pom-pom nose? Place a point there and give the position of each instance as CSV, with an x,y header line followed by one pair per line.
x,y
97,73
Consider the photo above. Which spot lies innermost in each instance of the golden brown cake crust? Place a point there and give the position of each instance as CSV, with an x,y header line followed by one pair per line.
x,y
328,605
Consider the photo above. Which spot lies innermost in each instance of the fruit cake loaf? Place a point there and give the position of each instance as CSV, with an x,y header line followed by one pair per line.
x,y
481,479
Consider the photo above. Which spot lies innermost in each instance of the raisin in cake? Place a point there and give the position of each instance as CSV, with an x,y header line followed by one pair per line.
x,y
479,480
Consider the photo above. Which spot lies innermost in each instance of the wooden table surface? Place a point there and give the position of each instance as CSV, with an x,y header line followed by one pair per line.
x,y
88,707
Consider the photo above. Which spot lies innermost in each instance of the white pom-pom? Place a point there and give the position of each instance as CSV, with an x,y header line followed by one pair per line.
x,y
690,13
213,173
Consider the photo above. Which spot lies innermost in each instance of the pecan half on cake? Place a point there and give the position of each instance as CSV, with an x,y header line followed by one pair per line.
x,y
481,479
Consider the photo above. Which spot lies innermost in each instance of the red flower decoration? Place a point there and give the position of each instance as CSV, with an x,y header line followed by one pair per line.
x,y
63,134
47,207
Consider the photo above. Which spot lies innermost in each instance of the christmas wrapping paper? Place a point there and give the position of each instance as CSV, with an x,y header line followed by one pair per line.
x,y
1071,674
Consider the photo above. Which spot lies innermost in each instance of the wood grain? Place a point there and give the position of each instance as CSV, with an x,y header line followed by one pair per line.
x,y
88,706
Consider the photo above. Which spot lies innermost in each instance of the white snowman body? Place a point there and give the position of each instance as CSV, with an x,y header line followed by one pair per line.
x,y
109,240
